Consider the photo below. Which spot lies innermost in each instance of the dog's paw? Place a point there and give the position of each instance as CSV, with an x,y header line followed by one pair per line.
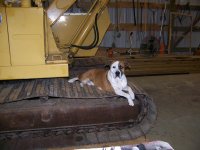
x,y
130,102
132,96
100,88
81,84
90,83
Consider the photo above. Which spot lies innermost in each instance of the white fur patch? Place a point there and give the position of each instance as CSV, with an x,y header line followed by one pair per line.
x,y
73,79
119,83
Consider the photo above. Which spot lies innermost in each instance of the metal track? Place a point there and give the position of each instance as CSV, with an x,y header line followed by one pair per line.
x,y
14,92
143,123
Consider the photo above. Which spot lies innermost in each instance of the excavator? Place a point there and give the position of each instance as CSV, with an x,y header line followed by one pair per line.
x,y
42,43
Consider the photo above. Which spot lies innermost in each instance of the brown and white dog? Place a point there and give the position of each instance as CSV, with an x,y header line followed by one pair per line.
x,y
113,80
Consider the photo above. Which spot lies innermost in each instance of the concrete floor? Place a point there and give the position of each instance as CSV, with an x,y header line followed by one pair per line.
x,y
177,98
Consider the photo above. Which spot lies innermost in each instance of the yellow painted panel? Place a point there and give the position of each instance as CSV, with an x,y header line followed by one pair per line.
x,y
66,27
51,44
26,36
57,8
103,24
4,45
40,71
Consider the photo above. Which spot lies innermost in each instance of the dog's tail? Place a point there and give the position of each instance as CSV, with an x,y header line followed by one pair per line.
x,y
73,79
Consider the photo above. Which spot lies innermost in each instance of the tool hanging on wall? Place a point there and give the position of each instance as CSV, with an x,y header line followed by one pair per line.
x,y
183,9
134,17
145,17
137,27
130,51
161,36
117,33
150,44
163,15
130,36
154,13
141,21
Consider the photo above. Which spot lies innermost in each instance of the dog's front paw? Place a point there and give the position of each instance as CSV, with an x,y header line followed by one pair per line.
x,y
130,102
132,96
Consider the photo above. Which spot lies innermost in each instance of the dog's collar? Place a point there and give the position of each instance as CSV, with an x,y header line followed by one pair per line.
x,y
141,147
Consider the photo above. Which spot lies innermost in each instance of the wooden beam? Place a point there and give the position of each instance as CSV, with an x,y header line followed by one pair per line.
x,y
129,5
149,27
150,5
160,64
132,27
171,21
183,29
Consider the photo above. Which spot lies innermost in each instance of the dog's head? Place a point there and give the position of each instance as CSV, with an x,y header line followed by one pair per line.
x,y
117,68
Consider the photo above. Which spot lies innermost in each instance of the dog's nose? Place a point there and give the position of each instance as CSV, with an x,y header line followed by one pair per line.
x,y
117,73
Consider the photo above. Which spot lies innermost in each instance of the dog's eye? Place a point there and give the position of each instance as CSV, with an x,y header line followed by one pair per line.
x,y
114,67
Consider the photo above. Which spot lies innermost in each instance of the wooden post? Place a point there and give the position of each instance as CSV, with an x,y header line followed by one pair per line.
x,y
172,8
145,18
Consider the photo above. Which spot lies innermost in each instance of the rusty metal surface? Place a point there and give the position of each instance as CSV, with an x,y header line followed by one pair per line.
x,y
37,114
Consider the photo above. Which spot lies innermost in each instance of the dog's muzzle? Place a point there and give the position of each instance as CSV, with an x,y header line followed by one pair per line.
x,y
117,74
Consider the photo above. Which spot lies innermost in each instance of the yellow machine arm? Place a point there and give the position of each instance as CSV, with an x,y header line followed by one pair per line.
x,y
79,31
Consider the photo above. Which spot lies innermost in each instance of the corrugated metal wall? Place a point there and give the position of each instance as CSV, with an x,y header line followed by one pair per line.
x,y
126,16
121,39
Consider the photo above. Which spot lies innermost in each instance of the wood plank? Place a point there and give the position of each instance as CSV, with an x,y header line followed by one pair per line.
x,y
132,27
126,4
149,27
160,65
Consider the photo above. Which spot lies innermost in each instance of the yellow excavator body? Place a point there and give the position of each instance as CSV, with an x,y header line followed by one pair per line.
x,y
36,42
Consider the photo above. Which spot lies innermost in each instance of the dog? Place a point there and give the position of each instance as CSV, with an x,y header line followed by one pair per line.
x,y
112,80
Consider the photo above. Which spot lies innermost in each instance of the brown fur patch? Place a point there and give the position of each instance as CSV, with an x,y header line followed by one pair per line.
x,y
121,66
98,77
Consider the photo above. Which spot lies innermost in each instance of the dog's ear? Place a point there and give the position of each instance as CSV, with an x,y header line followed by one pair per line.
x,y
107,66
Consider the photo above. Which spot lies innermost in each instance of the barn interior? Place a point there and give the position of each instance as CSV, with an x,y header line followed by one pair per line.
x,y
44,43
